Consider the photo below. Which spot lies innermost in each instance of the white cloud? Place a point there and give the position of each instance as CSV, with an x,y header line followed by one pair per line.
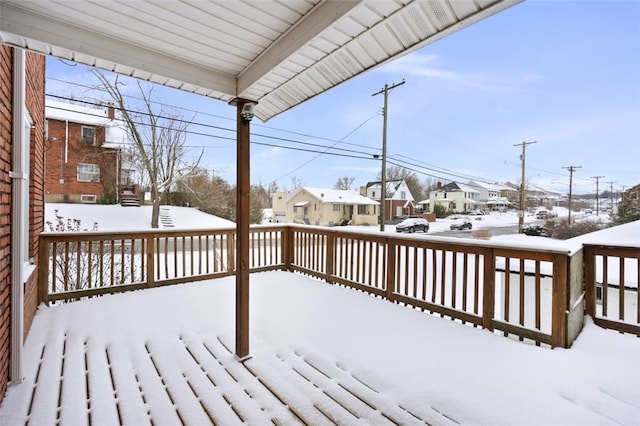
x,y
429,66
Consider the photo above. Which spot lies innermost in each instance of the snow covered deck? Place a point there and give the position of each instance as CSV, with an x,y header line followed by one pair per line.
x,y
321,354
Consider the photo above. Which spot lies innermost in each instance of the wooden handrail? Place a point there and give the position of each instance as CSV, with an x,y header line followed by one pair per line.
x,y
494,286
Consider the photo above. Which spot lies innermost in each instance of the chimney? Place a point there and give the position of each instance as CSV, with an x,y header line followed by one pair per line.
x,y
111,111
438,185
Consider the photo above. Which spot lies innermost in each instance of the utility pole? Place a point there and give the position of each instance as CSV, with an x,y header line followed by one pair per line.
x,y
611,197
522,187
571,170
383,174
597,178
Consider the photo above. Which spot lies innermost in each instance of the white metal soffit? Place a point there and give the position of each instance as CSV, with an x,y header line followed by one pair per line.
x,y
278,53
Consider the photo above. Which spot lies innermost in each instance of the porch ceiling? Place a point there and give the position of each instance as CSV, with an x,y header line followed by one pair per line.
x,y
278,53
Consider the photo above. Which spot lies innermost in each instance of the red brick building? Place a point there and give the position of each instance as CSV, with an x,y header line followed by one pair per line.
x,y
82,154
22,127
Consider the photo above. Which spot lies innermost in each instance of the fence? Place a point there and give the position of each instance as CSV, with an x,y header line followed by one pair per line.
x,y
532,294
612,297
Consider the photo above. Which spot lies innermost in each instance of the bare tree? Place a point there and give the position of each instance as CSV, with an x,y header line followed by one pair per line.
x,y
344,182
295,183
410,178
159,138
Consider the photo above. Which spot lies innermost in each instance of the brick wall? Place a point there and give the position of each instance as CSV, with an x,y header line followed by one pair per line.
x,y
6,62
61,184
35,104
35,82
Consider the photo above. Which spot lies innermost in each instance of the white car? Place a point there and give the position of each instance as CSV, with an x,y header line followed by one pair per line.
x,y
546,214
413,224
476,213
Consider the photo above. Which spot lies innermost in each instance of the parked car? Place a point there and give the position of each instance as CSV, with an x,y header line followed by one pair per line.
x,y
546,214
413,224
476,213
460,225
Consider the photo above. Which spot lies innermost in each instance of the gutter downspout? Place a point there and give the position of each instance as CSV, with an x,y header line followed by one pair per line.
x,y
66,141
19,199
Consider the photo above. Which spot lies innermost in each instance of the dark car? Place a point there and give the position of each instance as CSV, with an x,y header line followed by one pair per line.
x,y
413,225
460,225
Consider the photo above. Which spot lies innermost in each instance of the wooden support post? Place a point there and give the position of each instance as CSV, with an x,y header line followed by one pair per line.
x,y
243,188
559,301
488,288
287,249
391,270
590,280
151,260
330,257
43,270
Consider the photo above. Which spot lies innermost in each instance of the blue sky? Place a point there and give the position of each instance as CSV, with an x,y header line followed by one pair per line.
x,y
565,74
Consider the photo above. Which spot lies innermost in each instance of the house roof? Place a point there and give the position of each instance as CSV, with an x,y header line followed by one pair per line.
x,y
278,53
76,113
456,187
392,186
487,186
336,196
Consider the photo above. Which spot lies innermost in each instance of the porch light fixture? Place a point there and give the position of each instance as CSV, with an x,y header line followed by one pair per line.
x,y
248,111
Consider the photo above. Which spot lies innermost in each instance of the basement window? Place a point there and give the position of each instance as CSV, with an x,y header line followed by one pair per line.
x,y
88,198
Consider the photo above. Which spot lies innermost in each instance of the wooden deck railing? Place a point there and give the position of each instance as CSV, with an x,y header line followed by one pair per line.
x,y
612,275
532,294
78,265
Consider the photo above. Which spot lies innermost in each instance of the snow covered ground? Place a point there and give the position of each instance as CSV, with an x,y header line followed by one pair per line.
x,y
114,217
413,363
443,372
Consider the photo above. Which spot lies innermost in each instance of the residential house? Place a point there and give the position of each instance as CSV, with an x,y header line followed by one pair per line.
x,y
535,195
490,195
454,197
83,154
398,201
325,207
22,128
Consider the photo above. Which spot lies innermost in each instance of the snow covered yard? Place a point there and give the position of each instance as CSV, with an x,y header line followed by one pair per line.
x,y
320,354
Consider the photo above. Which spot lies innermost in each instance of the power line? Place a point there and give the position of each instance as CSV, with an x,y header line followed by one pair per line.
x,y
316,148
321,149
225,129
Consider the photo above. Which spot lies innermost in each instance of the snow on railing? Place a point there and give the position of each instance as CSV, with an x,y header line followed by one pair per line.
x,y
519,291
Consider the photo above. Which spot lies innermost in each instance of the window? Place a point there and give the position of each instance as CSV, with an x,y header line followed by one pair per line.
x,y
88,198
362,209
88,172
373,194
88,135
336,207
403,195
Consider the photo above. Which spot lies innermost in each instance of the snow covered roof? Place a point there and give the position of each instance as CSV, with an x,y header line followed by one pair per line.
x,y
337,196
456,186
63,111
498,200
116,135
487,186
